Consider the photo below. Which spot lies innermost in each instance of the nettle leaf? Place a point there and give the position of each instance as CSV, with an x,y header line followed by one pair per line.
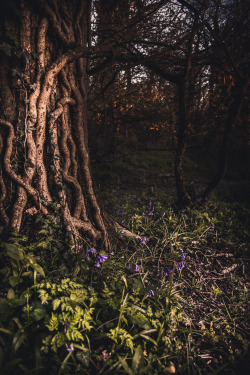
x,y
11,293
43,244
38,311
15,280
138,360
141,320
13,251
38,268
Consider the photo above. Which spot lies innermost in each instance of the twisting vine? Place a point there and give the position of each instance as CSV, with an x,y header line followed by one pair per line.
x,y
50,129
56,165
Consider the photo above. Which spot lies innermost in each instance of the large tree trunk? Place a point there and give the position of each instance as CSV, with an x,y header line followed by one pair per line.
x,y
48,126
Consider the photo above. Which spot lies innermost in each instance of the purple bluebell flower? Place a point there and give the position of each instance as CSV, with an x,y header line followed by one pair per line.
x,y
67,323
151,293
91,251
211,228
151,211
121,212
181,265
44,303
168,272
184,210
183,255
137,268
100,259
71,348
229,219
143,240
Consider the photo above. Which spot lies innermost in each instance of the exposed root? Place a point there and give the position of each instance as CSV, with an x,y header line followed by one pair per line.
x,y
126,232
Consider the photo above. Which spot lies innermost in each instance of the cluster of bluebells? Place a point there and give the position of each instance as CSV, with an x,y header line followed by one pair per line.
x,y
137,268
99,258
181,264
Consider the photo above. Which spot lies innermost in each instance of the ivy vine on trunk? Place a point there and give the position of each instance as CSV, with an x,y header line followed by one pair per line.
x,y
44,135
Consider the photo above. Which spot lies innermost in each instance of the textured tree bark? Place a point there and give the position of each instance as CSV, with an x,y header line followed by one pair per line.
x,y
54,166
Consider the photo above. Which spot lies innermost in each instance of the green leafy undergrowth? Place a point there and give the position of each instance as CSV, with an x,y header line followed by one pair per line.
x,y
174,301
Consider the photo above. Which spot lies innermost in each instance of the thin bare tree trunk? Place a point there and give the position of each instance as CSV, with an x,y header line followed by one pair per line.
x,y
232,118
183,196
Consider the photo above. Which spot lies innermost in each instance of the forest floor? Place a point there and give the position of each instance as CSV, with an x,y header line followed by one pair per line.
x,y
214,285
175,301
